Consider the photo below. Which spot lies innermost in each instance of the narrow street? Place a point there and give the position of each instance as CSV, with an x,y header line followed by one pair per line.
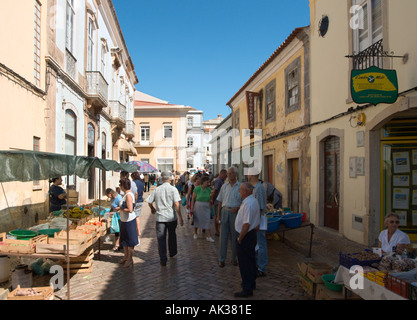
x,y
193,274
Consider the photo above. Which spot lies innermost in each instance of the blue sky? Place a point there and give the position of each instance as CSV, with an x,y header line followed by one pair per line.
x,y
201,52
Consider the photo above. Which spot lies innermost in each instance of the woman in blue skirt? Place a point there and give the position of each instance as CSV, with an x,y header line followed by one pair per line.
x,y
128,227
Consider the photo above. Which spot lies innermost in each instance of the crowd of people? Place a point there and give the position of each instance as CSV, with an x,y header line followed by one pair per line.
x,y
237,209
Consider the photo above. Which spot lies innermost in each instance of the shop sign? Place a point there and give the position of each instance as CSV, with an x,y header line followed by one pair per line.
x,y
250,102
374,85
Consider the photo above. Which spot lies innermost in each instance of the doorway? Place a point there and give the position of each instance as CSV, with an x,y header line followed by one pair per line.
x,y
294,184
268,165
331,182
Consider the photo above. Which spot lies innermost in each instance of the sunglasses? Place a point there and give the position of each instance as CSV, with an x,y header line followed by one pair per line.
x,y
394,221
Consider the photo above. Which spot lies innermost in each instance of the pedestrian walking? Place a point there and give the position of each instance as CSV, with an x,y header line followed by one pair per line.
x,y
128,227
194,182
259,194
167,211
247,221
217,185
201,208
229,201
146,183
139,198
115,199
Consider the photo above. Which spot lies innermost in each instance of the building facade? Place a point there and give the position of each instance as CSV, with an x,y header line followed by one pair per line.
x,y
363,154
23,90
195,139
91,82
68,78
161,129
279,145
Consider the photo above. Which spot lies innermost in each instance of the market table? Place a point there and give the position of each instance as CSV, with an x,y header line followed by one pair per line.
x,y
284,229
370,291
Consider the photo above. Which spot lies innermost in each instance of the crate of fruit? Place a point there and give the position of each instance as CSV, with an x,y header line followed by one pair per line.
x,y
20,246
363,258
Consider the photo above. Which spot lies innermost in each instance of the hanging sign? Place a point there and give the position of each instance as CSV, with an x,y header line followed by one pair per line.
x,y
250,103
374,85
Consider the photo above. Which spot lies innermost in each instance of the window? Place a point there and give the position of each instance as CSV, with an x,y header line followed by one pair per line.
x,y
292,85
103,59
167,131
236,119
69,34
145,132
190,142
270,102
37,47
190,121
165,164
70,133
370,24
90,45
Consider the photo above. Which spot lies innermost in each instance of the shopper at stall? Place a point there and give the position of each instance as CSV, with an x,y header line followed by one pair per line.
x,y
229,201
128,227
115,200
217,185
392,237
247,221
201,208
167,211
57,195
260,195
139,198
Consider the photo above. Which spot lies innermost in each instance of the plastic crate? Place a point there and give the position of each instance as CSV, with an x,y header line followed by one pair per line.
x,y
397,285
292,220
273,224
348,260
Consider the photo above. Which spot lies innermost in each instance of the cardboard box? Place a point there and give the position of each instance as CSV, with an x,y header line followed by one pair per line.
x,y
303,266
317,269
307,285
322,293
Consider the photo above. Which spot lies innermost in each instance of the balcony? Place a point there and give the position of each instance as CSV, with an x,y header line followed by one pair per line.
x,y
144,144
118,114
130,129
97,90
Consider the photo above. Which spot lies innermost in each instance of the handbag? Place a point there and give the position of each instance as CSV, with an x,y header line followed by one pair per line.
x,y
184,201
114,227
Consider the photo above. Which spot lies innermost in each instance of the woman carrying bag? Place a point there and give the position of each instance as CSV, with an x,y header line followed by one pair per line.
x,y
128,227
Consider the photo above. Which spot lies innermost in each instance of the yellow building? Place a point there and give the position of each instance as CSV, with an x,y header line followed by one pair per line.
x,y
161,131
281,114
363,153
23,94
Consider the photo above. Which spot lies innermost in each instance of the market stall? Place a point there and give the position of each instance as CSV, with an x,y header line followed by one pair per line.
x,y
284,220
25,166
379,277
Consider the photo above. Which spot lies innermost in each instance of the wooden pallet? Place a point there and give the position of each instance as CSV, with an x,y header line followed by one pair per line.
x,y
80,264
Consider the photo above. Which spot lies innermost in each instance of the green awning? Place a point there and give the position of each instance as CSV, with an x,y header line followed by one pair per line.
x,y
32,165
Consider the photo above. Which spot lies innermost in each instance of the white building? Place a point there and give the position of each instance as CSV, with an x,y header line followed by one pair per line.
x,y
195,139
91,81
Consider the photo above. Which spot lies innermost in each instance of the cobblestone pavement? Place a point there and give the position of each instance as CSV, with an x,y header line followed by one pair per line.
x,y
193,274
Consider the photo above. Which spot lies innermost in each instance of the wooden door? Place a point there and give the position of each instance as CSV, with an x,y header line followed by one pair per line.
x,y
268,165
294,184
332,183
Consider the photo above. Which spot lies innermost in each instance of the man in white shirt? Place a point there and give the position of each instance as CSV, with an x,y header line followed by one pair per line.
x,y
167,202
246,224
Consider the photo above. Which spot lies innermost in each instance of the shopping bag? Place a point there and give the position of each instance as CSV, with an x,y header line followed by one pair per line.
x,y
184,201
114,227
263,223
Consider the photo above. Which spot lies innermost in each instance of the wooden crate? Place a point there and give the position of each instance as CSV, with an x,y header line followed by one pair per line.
x,y
20,246
46,293
80,264
78,243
